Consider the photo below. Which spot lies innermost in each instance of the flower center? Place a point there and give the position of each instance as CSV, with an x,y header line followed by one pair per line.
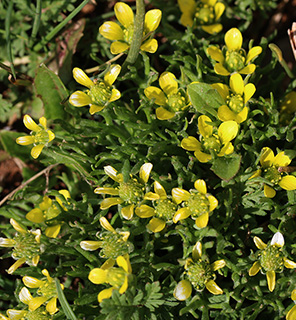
x,y
198,273
271,258
116,277
235,102
48,290
26,246
176,102
38,314
100,93
113,245
198,204
205,14
272,174
165,209
41,137
131,191
128,34
211,143
234,61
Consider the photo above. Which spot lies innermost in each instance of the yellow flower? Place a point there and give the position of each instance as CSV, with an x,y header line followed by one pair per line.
x,y
288,108
116,277
163,211
46,290
40,135
129,193
123,35
100,94
48,211
212,141
26,246
113,243
235,107
170,99
271,259
205,13
273,170
199,274
197,203
233,58
291,315
13,314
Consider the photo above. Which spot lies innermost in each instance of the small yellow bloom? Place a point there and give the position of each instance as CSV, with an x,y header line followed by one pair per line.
x,y
272,171
162,211
196,203
130,193
199,273
116,277
40,135
170,99
122,35
48,211
46,290
26,246
40,314
99,94
235,107
212,141
205,13
291,315
233,58
271,259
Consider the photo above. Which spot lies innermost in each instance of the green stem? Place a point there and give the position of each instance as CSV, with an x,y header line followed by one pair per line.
x,y
138,34
60,26
63,301
36,20
7,36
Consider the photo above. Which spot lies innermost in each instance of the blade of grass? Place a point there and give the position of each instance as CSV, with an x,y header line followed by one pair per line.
x,y
59,27
7,36
63,301
37,19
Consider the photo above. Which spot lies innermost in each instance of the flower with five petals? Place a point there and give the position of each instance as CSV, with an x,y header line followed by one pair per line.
x,y
170,99
196,203
199,273
212,141
205,13
40,135
271,259
233,58
123,35
99,93
235,107
273,170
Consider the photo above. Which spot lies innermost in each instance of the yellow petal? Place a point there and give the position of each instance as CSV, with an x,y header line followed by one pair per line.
x,y
183,290
213,28
157,94
156,225
17,226
233,39
35,152
200,186
105,294
35,215
128,212
122,262
152,20
25,140
124,14
124,286
111,191
237,84
218,264
268,191
98,275
80,99
270,275
249,91
202,221
220,69
31,124
197,251
43,122
32,282
164,114
180,195
254,269
291,315
216,54
15,314
293,295
213,203
106,225
112,74
115,95
248,69
159,189
35,260
109,202
7,243
145,211
277,240
289,264
181,214
150,46
90,245
187,5
51,306
168,83
145,171
227,131
202,157
51,135
212,286
108,264
112,173
267,157
35,303
151,196
96,108
80,77
222,89
225,114
190,144
111,31
281,160
118,47
219,9
16,265
254,52
53,231
259,243
204,126
242,116
25,295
